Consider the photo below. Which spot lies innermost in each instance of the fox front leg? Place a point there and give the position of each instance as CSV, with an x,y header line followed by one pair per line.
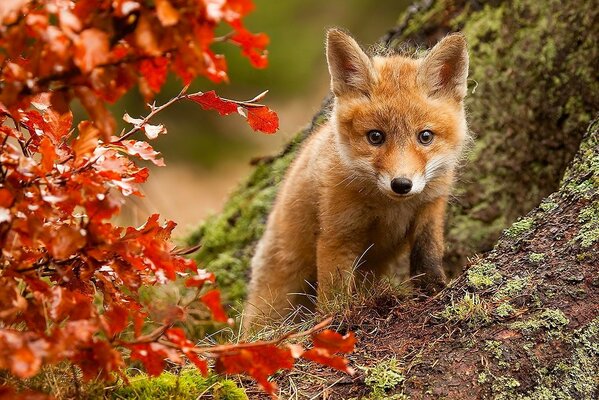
x,y
426,257
335,267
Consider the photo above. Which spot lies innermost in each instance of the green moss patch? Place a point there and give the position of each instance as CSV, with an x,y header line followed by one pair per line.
x,y
189,384
483,275
511,288
469,310
589,225
550,320
519,227
383,377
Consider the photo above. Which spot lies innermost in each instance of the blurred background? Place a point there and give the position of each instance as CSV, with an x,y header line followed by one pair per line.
x,y
208,155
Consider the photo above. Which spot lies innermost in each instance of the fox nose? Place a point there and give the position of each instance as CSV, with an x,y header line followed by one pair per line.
x,y
401,185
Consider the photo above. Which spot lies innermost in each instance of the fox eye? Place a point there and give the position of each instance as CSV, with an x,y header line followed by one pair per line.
x,y
376,138
426,137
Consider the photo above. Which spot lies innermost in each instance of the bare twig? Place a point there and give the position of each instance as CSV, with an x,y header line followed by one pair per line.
x,y
153,111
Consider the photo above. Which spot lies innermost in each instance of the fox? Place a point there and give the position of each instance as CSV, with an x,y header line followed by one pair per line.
x,y
371,184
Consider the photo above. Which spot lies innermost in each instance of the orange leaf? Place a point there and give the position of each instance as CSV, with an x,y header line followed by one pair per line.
x,y
97,111
212,300
259,361
167,14
200,278
143,150
87,141
263,119
334,342
92,48
210,101
48,153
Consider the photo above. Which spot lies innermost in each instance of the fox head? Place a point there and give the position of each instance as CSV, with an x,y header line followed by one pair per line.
x,y
400,122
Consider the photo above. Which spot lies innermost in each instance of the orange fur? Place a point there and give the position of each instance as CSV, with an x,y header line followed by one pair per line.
x,y
337,201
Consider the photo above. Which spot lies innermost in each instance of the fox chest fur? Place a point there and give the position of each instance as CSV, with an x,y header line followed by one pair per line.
x,y
370,185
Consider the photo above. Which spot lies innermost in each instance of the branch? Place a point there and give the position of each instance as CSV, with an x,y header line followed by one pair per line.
x,y
153,111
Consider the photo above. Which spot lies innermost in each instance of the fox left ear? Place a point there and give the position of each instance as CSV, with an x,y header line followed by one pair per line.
x,y
350,68
444,70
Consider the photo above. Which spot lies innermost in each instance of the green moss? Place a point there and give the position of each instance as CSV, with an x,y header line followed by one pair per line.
x,y
189,384
504,310
469,310
582,177
573,377
494,347
483,275
548,205
550,320
482,378
519,227
589,225
512,288
536,257
383,377
503,387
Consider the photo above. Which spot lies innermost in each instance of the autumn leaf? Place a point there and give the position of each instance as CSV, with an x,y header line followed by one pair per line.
x,y
212,300
92,48
200,278
334,342
210,101
154,71
86,141
48,152
143,150
326,346
167,14
259,361
263,119
96,109
115,319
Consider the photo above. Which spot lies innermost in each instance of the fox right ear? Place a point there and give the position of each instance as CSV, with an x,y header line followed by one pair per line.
x,y
350,68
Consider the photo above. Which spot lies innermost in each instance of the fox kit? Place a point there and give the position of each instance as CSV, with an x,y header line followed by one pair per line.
x,y
371,183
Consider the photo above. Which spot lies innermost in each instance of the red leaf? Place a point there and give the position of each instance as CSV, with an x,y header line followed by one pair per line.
x,y
167,14
263,119
6,197
212,300
116,319
153,356
154,71
142,149
64,241
334,342
48,153
87,141
210,101
92,48
97,111
200,278
323,357
259,361
326,344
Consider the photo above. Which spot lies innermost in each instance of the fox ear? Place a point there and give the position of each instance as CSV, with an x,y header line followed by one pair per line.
x,y
349,66
444,70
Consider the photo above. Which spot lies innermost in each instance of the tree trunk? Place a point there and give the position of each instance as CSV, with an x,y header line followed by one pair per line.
x,y
522,322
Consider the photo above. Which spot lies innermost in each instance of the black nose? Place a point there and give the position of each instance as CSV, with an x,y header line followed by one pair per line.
x,y
401,185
